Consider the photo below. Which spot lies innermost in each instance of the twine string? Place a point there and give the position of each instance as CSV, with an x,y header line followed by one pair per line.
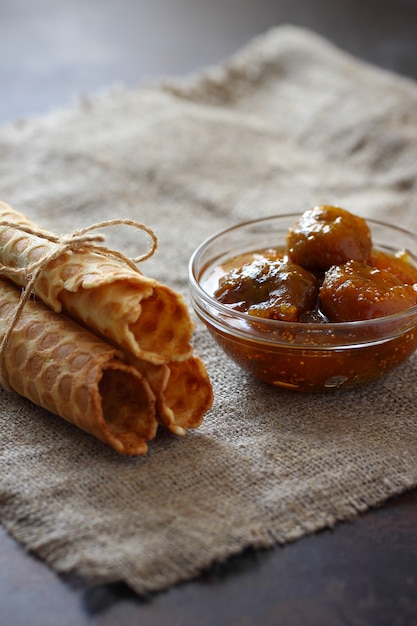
x,y
81,240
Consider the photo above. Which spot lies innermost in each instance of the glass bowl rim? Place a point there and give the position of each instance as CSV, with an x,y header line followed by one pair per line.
x,y
306,327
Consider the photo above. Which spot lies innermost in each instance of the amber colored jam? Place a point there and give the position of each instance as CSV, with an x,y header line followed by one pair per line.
x,y
316,370
317,361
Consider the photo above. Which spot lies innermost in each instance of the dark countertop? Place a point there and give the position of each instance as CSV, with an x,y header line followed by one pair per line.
x,y
53,51
363,572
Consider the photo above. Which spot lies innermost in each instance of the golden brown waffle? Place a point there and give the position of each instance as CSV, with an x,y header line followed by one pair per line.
x,y
138,313
147,321
183,392
67,370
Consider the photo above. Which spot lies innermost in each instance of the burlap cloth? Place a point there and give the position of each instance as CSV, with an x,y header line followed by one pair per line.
x,y
288,123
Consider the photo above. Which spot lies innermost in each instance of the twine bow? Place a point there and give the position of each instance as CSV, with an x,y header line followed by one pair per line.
x,y
79,240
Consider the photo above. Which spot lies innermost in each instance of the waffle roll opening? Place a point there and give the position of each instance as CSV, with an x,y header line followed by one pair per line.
x,y
182,389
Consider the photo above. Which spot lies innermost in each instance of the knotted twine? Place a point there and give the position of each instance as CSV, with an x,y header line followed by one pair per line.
x,y
80,240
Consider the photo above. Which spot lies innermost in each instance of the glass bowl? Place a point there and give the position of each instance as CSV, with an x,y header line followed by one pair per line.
x,y
303,356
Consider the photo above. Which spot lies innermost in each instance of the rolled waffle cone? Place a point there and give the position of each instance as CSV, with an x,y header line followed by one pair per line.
x,y
187,397
183,392
138,313
62,367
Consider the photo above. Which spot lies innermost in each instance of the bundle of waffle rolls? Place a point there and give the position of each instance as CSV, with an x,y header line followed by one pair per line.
x,y
99,344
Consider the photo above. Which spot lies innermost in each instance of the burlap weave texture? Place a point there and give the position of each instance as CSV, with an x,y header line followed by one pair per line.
x,y
288,123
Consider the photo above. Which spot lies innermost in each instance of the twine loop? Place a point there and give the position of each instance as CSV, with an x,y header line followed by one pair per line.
x,y
81,240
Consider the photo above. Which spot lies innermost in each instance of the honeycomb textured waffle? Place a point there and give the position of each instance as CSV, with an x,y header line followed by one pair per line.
x,y
182,389
65,369
136,312
187,397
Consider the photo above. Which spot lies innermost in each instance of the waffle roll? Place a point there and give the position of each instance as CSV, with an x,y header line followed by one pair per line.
x,y
136,312
182,389
67,370
146,373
